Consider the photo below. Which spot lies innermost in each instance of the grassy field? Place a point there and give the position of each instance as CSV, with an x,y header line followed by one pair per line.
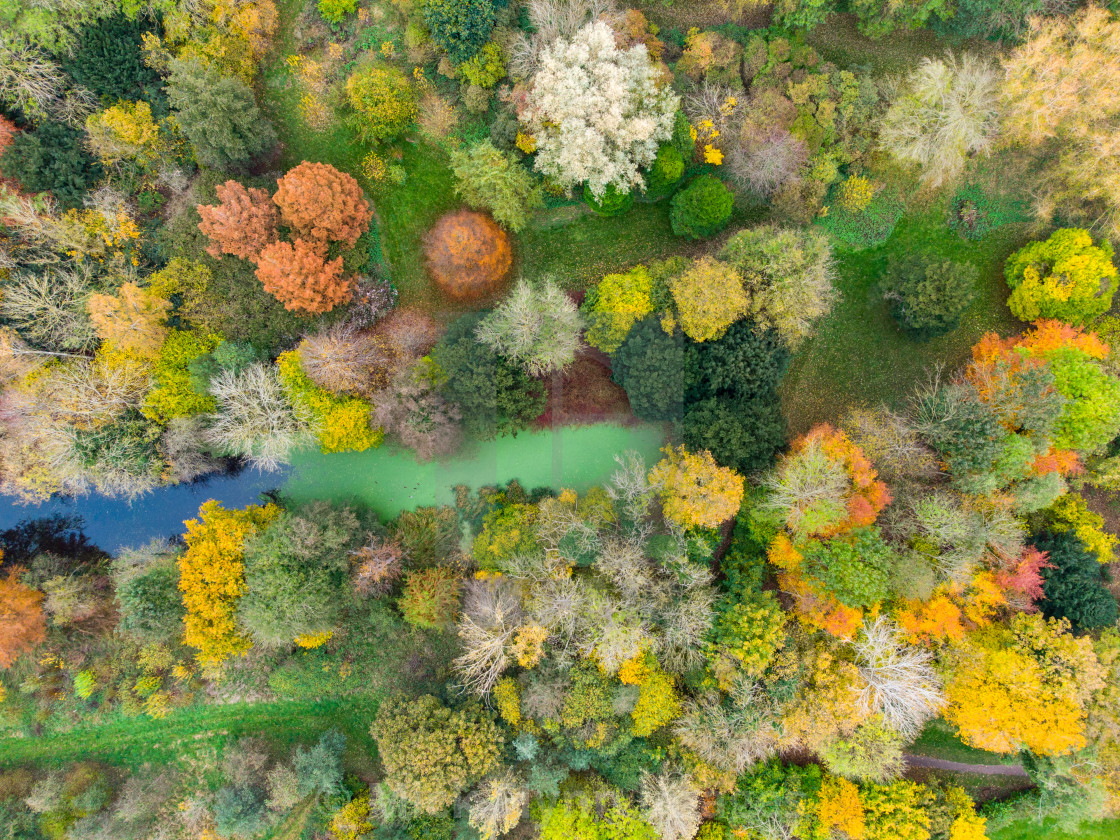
x,y
1046,830
939,741
859,356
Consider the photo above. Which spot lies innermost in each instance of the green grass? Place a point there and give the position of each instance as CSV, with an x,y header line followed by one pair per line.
x,y
1046,830
938,740
859,356
839,40
135,741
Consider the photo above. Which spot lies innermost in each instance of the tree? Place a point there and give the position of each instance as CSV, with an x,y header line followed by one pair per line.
x,y
132,320
145,583
746,362
1065,277
497,805
702,209
744,637
671,804
212,578
928,298
218,115
787,275
322,204
22,625
493,395
243,223
763,166
596,112
1074,583
108,60
294,571
709,298
537,326
52,158
299,277
946,114
854,568
1056,95
432,753
49,309
343,360
873,753
900,682
695,491
650,366
614,305
383,102
254,419
460,27
743,434
430,597
490,179
881,17
468,255
413,411
341,422
126,131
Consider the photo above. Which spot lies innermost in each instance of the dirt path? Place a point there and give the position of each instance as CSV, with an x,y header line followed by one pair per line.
x,y
957,767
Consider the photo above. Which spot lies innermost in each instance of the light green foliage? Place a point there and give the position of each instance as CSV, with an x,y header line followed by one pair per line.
x,y
486,68
490,179
173,394
667,169
84,684
894,811
614,305
577,818
873,753
1065,277
1091,415
432,753
537,327
744,637
335,10
881,17
855,568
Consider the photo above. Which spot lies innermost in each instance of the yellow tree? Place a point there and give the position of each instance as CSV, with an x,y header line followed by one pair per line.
x,y
212,578
696,492
709,298
132,320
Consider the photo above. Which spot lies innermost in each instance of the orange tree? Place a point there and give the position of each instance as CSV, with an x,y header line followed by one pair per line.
x,y
300,278
22,625
242,223
322,205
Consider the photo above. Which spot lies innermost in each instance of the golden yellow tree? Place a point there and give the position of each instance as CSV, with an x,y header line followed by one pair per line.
x,y
709,298
696,492
132,320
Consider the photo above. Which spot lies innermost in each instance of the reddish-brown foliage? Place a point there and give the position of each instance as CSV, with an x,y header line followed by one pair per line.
x,y
242,224
376,567
8,132
343,360
322,204
22,625
299,278
409,332
584,394
468,255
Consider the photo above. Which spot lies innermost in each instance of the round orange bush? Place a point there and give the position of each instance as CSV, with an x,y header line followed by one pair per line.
x,y
468,255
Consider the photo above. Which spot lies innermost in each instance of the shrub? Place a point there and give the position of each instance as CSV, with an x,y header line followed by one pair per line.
x,y
468,255
928,298
431,753
460,27
490,179
1074,583
52,158
218,115
868,228
335,10
242,224
298,277
743,434
650,366
612,202
667,169
702,209
383,102
430,597
1066,277
709,298
322,204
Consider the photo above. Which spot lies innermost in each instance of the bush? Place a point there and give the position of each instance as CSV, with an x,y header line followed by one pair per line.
x,y
335,10
468,255
460,27
490,179
1074,585
1066,277
928,298
667,169
612,202
867,228
53,159
702,209
109,61
650,366
383,102
742,434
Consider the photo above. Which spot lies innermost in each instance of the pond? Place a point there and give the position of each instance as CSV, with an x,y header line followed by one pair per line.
x,y
387,480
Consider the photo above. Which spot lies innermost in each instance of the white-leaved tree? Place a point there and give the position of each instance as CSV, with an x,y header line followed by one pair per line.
x,y
899,680
537,327
597,112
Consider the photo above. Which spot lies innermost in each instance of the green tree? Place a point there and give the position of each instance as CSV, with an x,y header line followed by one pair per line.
x,y
928,297
146,581
1065,277
109,61
881,17
460,27
537,326
1074,584
702,209
744,434
495,395
855,568
490,179
52,158
218,115
745,362
432,753
745,635
650,366
383,102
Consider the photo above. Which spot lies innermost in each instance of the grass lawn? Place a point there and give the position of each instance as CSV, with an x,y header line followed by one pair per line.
x,y
980,787
939,741
859,356
1046,830
839,40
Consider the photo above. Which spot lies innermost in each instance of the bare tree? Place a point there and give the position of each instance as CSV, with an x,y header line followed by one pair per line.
x,y
496,804
343,360
724,736
491,615
764,166
377,566
49,308
671,804
807,487
901,683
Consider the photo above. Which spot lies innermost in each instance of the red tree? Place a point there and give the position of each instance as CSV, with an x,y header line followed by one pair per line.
x,y
468,255
242,224
299,278
22,625
322,204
